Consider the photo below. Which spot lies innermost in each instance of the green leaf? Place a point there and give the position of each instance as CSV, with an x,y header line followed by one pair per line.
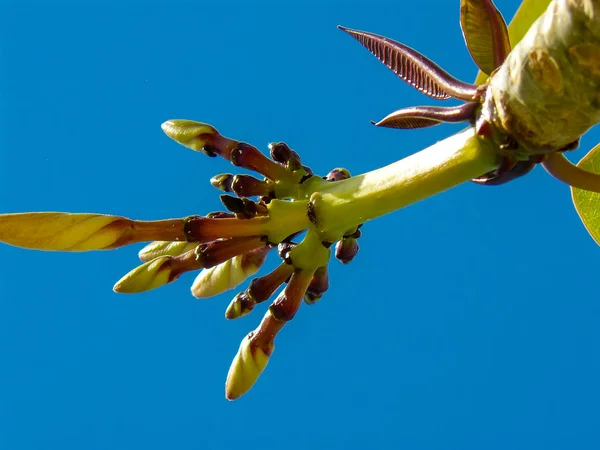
x,y
527,13
485,33
587,203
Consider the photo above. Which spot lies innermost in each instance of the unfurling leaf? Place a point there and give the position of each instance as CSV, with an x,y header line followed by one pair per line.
x,y
586,202
528,12
485,33
413,67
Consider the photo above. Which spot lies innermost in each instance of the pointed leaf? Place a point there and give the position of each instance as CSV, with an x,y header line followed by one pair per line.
x,y
588,203
414,68
485,33
427,116
528,12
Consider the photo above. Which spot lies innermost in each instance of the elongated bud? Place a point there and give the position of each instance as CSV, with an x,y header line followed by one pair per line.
x,y
165,248
243,208
155,273
241,305
248,186
258,346
317,287
83,232
199,136
252,358
203,229
229,274
262,288
217,252
281,153
288,301
346,250
222,182
249,157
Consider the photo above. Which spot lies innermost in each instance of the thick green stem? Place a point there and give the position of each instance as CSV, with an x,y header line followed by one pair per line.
x,y
342,205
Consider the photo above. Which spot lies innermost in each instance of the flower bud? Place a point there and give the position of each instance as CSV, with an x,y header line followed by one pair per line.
x,y
189,133
346,250
83,232
241,305
165,248
248,364
281,153
248,186
243,208
155,273
249,157
222,182
229,274
317,287
338,174
149,275
199,137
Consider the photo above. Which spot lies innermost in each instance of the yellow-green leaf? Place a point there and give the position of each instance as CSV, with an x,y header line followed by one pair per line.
x,y
482,26
527,13
588,203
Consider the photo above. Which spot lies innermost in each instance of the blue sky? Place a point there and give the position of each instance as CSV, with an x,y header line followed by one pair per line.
x,y
469,320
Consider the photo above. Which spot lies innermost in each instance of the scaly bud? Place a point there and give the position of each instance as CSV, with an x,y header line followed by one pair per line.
x,y
262,288
317,287
288,301
239,306
83,232
203,229
257,347
281,153
155,273
243,208
249,157
338,174
165,248
346,250
229,274
222,182
252,357
248,186
199,137
217,252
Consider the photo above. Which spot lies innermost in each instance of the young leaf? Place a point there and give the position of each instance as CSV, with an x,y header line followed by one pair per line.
x,y
586,202
528,12
413,67
485,33
427,116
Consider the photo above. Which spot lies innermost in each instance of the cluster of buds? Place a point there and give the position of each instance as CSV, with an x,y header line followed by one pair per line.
x,y
288,201
226,247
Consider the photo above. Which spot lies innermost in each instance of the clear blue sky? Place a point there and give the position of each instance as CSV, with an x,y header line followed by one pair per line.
x,y
468,321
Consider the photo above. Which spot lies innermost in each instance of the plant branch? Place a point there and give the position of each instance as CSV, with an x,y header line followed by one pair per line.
x,y
342,205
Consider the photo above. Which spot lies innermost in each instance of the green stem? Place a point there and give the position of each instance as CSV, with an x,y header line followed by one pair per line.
x,y
341,206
